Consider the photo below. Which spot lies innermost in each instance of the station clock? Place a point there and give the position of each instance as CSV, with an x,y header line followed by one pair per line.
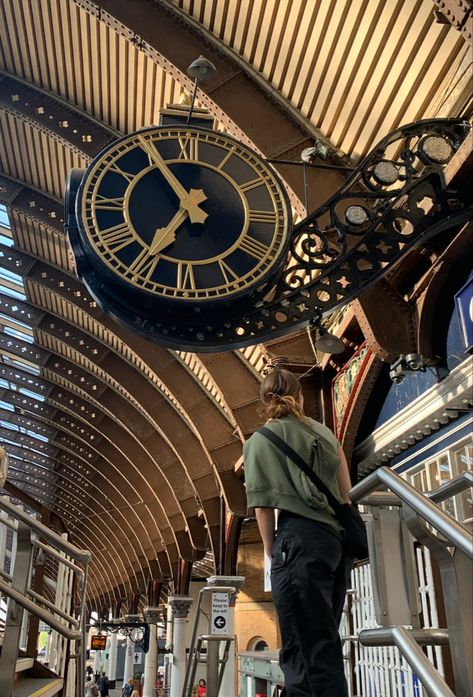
x,y
178,222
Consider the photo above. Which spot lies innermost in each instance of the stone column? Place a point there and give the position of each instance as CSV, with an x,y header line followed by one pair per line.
x,y
228,686
151,615
180,605
129,656
112,658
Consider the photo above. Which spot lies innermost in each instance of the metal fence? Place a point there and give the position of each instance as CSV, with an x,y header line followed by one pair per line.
x,y
381,671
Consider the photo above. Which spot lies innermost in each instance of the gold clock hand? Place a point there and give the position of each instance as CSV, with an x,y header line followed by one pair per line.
x,y
188,200
165,235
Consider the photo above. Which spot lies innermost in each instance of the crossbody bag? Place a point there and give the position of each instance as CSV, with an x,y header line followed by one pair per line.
x,y
355,541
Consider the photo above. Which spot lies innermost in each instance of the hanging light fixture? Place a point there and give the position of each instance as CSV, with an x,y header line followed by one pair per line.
x,y
200,69
329,343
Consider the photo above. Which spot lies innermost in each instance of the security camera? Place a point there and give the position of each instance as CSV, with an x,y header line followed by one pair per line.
x,y
396,377
414,361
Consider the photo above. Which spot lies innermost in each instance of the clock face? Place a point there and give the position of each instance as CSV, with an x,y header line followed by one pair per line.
x,y
185,214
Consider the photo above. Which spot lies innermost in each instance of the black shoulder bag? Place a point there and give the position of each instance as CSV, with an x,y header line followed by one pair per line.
x,y
356,541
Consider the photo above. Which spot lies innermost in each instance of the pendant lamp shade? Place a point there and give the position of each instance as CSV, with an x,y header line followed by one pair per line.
x,y
329,343
201,69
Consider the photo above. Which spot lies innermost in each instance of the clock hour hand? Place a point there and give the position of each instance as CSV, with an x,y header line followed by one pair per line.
x,y
166,235
187,200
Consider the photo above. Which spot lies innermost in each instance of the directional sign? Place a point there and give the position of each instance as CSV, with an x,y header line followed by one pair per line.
x,y
220,614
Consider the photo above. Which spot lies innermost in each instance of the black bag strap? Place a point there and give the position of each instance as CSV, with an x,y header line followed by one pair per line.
x,y
301,463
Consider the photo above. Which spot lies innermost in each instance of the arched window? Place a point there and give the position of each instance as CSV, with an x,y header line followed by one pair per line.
x,y
257,644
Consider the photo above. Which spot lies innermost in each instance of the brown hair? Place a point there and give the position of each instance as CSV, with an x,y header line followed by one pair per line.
x,y
280,393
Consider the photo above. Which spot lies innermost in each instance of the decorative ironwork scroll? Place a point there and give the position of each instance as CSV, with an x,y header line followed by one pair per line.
x,y
137,632
396,198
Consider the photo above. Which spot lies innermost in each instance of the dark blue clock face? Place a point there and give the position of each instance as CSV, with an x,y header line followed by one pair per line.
x,y
184,214
194,241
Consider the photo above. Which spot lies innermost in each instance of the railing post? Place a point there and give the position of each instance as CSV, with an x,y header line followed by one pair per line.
x,y
14,616
228,686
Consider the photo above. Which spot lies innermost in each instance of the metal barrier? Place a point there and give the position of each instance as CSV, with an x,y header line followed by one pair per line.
x,y
415,512
16,587
211,641
382,660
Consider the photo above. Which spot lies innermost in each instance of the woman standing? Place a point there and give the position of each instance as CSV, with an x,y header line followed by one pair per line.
x,y
309,571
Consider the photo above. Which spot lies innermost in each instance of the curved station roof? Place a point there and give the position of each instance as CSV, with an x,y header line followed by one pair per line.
x,y
132,446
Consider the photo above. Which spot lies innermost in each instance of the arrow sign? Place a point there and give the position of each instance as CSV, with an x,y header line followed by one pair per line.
x,y
220,622
220,613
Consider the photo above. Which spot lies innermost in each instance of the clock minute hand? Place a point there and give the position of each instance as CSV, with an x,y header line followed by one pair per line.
x,y
165,235
188,200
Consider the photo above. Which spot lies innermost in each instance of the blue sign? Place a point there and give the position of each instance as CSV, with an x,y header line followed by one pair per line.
x,y
464,302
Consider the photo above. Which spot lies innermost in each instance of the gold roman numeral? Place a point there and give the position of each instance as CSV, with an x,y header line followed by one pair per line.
x,y
116,237
144,265
185,277
118,170
253,247
189,148
252,184
148,147
102,203
262,217
227,157
228,273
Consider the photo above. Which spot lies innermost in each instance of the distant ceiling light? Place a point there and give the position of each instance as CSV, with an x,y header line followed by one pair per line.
x,y
329,343
201,69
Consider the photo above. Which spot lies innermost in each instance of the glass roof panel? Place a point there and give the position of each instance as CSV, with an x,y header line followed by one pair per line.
x,y
12,285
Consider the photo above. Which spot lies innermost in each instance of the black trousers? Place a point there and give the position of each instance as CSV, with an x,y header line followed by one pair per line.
x,y
309,576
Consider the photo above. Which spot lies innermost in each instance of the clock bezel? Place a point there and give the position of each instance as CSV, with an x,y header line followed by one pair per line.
x,y
271,265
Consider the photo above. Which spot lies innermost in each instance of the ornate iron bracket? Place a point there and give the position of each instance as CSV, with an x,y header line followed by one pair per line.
x,y
128,629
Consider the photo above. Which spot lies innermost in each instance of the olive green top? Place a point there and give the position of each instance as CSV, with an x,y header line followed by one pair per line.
x,y
275,481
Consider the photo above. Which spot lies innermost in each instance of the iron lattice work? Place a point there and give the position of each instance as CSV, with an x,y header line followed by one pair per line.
x,y
396,198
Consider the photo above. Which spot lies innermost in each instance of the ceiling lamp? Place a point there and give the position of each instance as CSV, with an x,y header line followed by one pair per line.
x,y
329,343
201,69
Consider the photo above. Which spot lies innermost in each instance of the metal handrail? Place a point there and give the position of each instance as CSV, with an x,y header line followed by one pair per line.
x,y
44,615
444,491
59,557
82,555
452,531
56,545
51,606
383,636
451,488
420,664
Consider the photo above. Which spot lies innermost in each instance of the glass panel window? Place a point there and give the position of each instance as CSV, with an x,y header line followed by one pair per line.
x,y
463,458
447,465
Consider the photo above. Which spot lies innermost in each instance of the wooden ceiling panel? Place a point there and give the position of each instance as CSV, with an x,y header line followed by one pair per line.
x,y
29,155
357,70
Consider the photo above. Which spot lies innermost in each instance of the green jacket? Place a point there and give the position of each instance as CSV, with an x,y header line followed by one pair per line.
x,y
275,481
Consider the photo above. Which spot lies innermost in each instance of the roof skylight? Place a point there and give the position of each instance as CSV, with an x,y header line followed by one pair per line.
x,y
11,284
